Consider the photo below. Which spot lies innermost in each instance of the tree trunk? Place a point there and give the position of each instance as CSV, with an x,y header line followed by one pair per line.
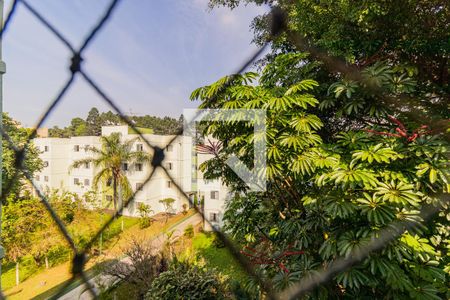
x,y
119,199
115,193
46,262
17,273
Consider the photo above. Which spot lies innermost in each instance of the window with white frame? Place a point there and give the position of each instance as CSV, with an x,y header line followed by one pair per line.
x,y
139,147
87,165
214,195
138,167
45,148
46,178
76,181
125,166
76,148
37,178
86,182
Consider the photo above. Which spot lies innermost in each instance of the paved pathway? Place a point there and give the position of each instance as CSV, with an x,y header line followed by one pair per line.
x,y
80,292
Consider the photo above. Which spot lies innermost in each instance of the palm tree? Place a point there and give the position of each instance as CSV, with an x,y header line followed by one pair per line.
x,y
110,162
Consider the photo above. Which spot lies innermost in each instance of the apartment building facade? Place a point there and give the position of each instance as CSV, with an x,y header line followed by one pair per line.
x,y
180,162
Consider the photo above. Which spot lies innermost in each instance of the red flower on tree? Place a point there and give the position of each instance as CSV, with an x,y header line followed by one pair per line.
x,y
402,132
258,257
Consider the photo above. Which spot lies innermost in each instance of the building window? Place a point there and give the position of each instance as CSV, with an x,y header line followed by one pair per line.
x,y
213,217
46,178
138,167
214,195
139,147
76,148
138,186
37,178
169,184
45,163
76,181
125,166
169,148
86,165
86,182
86,148
169,166
45,148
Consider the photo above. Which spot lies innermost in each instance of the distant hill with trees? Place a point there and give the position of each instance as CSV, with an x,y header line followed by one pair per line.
x,y
95,120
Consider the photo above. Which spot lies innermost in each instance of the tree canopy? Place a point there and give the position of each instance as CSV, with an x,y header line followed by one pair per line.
x,y
347,155
91,126
13,178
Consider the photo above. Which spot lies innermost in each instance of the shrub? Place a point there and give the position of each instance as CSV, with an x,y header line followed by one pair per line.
x,y
144,211
184,281
189,231
217,242
141,269
145,222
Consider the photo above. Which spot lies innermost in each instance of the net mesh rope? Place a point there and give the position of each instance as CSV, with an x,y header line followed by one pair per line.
x,y
80,257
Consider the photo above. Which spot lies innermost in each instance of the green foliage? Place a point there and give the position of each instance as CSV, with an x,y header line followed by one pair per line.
x,y
168,204
189,231
396,51
143,267
144,211
32,162
91,126
329,195
184,281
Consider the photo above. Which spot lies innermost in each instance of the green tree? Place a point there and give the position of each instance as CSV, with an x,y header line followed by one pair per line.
x,y
145,210
78,127
401,41
46,236
168,205
93,122
325,199
183,281
32,162
20,220
111,161
57,132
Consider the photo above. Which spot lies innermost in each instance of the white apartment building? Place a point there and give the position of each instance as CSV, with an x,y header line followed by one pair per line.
x,y
213,194
180,160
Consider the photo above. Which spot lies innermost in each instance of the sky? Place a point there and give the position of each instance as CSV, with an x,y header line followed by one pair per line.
x,y
149,57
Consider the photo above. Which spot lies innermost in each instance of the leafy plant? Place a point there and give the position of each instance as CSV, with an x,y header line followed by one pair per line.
x,y
184,281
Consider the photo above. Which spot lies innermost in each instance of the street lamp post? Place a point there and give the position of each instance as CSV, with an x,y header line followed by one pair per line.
x,y
2,71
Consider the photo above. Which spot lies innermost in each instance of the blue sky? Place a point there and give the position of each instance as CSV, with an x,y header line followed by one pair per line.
x,y
148,58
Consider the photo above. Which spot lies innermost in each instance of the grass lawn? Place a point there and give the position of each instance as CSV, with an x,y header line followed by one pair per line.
x,y
200,248
217,258
84,227
38,280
